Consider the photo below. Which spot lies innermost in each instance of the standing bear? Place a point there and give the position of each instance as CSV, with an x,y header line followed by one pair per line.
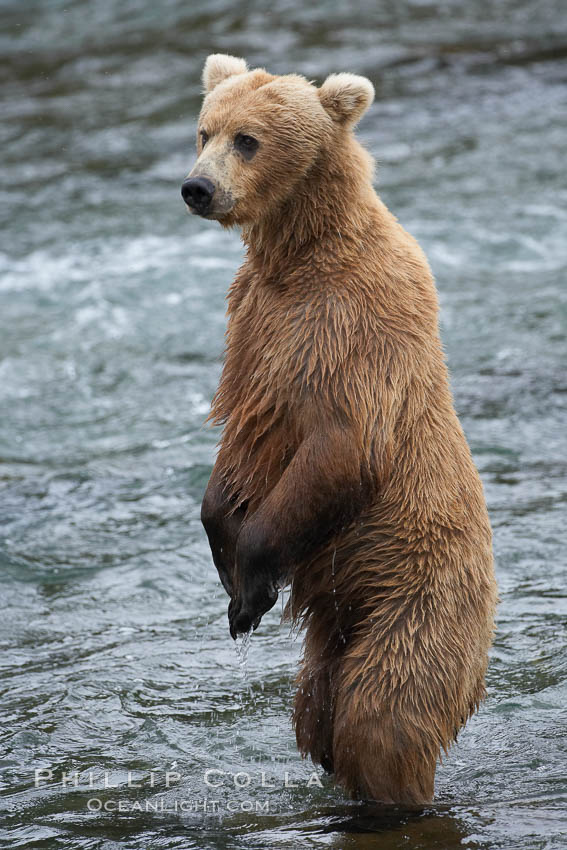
x,y
343,470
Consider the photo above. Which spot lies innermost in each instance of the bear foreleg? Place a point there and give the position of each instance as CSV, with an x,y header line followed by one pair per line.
x,y
321,490
222,523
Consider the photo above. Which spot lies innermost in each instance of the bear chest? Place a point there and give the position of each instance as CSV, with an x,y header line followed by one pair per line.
x,y
268,340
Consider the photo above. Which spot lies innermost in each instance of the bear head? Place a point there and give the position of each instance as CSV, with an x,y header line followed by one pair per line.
x,y
260,135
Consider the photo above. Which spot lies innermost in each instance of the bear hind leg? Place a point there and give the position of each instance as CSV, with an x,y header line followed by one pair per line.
x,y
380,757
316,693
312,717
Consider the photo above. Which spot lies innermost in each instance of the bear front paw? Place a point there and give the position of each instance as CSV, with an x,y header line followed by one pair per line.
x,y
245,613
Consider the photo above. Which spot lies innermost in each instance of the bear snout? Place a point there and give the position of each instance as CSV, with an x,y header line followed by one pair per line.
x,y
197,192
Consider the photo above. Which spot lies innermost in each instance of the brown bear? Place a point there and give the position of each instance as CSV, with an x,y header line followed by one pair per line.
x,y
342,470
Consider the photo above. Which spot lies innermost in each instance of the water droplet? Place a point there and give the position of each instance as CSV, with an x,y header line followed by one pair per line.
x,y
242,646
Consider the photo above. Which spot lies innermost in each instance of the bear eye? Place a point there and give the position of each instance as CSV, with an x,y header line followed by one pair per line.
x,y
204,137
246,145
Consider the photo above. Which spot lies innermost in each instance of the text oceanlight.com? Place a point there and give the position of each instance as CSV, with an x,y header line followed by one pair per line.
x,y
203,805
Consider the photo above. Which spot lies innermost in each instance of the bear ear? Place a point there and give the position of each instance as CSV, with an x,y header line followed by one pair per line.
x,y
218,67
346,97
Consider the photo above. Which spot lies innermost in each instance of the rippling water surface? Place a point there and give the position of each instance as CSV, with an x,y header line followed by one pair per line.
x,y
115,649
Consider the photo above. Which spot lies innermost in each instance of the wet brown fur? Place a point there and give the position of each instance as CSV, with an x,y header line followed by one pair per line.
x,y
342,464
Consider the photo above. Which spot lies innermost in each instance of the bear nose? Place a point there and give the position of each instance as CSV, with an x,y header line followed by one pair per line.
x,y
197,192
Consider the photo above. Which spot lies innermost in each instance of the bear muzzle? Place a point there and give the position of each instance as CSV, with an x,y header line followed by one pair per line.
x,y
198,192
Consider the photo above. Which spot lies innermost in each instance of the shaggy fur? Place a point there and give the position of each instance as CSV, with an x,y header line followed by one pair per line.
x,y
343,469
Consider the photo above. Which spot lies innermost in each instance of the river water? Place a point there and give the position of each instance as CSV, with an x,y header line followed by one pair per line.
x,y
116,656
